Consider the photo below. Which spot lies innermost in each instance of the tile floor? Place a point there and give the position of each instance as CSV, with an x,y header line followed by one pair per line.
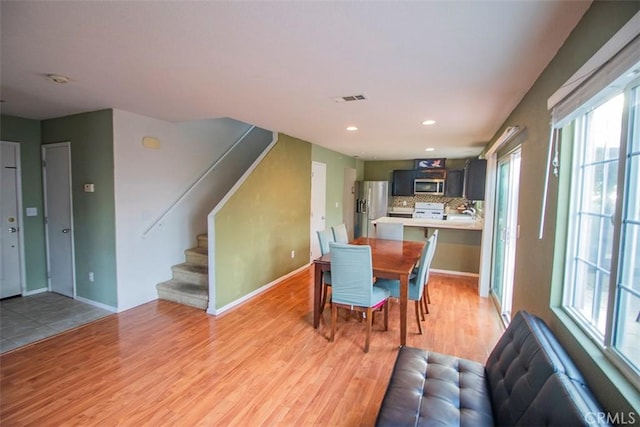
x,y
24,320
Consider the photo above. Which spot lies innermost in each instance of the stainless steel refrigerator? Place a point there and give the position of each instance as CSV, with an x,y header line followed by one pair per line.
x,y
372,200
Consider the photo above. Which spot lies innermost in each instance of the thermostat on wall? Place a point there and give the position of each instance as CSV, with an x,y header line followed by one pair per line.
x,y
89,188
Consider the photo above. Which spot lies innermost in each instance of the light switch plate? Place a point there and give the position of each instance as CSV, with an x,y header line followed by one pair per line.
x,y
32,211
89,188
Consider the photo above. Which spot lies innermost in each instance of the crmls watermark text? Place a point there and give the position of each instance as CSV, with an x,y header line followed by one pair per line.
x,y
617,418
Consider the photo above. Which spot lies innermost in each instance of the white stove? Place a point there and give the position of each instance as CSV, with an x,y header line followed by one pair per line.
x,y
429,210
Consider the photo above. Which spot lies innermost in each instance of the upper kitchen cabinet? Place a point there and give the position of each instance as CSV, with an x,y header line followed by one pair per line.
x,y
454,183
475,179
402,184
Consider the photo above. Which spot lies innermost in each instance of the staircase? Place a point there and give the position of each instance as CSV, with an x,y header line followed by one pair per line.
x,y
190,283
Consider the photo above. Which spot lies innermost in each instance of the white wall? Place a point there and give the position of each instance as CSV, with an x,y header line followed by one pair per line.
x,y
148,181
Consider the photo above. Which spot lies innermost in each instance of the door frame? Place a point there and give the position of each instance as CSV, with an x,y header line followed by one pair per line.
x,y
66,144
21,253
313,242
512,233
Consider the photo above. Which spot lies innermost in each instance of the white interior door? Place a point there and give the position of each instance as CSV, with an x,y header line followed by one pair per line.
x,y
58,214
10,251
318,205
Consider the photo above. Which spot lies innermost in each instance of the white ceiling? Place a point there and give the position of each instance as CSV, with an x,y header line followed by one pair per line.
x,y
279,65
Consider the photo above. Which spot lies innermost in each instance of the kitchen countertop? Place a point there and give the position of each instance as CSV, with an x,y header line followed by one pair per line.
x,y
470,224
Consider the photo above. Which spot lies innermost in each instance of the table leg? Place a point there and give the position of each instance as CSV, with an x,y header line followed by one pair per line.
x,y
404,296
317,294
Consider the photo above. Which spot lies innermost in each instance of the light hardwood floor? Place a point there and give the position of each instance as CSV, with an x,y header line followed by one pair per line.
x,y
260,364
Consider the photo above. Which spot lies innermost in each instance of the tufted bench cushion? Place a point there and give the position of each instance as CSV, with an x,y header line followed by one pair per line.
x,y
429,388
528,380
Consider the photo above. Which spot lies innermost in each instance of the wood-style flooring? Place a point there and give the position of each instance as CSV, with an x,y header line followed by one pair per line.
x,y
259,364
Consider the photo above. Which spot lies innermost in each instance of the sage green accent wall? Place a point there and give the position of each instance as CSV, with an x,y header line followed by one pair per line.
x,y
534,257
27,133
264,221
91,137
336,163
382,170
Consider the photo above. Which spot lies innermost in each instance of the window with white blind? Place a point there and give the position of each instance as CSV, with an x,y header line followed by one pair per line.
x,y
601,279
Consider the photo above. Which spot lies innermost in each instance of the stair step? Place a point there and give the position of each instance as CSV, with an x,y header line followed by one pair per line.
x,y
185,293
203,240
197,256
191,273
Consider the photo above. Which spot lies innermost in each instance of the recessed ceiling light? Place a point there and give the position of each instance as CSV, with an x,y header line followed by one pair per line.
x,y
430,149
429,122
58,78
352,128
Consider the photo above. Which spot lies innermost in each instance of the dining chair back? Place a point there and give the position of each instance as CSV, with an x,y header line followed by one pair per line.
x,y
416,283
324,238
352,285
426,299
389,231
340,233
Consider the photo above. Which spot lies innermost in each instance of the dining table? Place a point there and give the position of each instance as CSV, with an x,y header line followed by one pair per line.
x,y
391,259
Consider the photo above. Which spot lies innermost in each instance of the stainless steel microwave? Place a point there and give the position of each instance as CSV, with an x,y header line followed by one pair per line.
x,y
435,187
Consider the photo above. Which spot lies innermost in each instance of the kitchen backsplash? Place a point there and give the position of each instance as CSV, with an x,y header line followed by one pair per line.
x,y
451,202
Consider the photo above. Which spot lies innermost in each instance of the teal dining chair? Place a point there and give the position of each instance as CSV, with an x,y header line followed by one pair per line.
x,y
324,238
352,286
340,233
416,283
390,231
426,299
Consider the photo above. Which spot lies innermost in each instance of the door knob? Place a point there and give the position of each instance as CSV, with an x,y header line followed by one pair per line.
x,y
12,229
66,230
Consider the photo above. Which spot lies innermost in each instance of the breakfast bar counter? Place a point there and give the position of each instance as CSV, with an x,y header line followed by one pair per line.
x,y
458,222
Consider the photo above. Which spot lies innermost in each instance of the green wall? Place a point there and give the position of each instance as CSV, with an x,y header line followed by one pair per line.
x,y
27,133
91,138
532,290
382,170
336,163
263,222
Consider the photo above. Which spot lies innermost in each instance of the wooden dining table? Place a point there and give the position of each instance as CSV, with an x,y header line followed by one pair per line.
x,y
391,259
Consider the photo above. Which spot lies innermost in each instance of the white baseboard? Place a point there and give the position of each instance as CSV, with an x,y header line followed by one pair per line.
x,y
453,273
35,292
258,291
97,304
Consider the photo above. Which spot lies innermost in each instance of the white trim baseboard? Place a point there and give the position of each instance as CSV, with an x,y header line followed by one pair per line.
x,y
97,304
255,293
35,292
453,273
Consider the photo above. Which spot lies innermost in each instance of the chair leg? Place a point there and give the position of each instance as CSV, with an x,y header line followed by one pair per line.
x,y
324,297
422,309
425,299
334,319
369,318
386,315
417,306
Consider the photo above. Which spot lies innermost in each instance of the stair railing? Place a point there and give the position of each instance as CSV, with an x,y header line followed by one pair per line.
x,y
158,221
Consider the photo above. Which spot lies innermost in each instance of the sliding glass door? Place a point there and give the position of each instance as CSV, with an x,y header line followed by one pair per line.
x,y
505,232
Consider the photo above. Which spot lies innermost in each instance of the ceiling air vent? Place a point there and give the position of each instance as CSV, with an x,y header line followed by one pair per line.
x,y
350,98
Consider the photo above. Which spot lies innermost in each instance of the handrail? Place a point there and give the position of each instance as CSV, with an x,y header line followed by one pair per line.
x,y
196,182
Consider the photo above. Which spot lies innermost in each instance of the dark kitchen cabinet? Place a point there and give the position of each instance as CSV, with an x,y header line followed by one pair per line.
x,y
454,183
402,184
475,179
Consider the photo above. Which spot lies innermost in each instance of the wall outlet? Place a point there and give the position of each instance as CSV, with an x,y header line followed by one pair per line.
x,y
91,276
293,254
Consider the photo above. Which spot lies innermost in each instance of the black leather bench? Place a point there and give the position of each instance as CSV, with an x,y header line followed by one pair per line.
x,y
528,380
